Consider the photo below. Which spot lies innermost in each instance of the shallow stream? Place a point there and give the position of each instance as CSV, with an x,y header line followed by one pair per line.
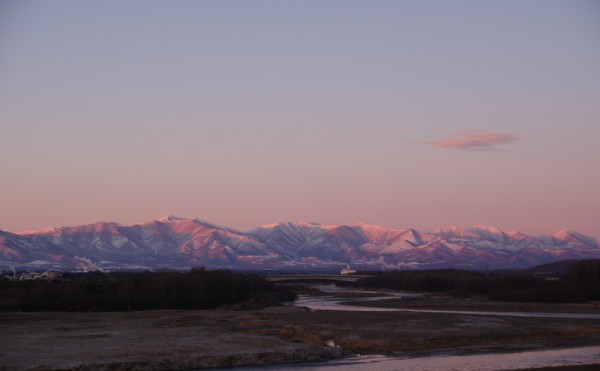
x,y
480,362
334,303
485,362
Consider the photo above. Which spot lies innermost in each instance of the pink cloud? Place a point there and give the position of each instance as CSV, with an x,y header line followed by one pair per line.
x,y
475,140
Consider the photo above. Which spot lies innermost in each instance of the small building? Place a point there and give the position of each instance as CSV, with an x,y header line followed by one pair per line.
x,y
347,270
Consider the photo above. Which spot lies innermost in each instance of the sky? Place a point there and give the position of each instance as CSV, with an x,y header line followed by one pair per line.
x,y
419,114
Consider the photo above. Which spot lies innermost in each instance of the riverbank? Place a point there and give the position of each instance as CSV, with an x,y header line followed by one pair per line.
x,y
200,339
413,334
163,339
445,302
185,339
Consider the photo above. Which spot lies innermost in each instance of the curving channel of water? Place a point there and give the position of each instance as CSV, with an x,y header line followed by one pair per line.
x,y
480,362
485,362
334,303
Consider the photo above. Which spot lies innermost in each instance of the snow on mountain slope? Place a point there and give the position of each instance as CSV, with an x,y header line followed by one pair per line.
x,y
181,243
566,238
453,231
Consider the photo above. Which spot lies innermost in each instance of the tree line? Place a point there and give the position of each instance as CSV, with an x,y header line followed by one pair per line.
x,y
127,291
580,283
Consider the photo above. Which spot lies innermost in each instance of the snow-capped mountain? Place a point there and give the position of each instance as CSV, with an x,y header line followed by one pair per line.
x,y
171,242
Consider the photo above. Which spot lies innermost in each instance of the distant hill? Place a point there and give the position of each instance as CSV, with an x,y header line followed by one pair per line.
x,y
560,267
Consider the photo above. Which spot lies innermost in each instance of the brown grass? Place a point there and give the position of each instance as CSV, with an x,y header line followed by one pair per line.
x,y
295,333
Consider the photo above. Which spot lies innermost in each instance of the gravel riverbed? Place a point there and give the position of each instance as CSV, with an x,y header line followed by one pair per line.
x,y
182,339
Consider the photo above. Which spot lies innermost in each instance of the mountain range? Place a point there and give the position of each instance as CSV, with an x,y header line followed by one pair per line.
x,y
178,243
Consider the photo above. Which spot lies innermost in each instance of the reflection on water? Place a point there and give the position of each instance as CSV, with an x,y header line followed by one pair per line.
x,y
333,303
486,362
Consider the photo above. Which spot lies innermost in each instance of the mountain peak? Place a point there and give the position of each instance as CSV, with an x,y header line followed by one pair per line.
x,y
169,218
271,225
453,230
291,224
518,235
566,234
563,233
38,231
374,227
487,228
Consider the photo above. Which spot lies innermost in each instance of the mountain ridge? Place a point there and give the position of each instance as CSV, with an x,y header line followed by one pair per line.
x,y
174,242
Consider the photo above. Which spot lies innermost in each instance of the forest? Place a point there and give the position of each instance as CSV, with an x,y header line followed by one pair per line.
x,y
128,291
581,282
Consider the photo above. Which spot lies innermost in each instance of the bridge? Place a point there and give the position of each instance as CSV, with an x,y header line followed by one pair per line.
x,y
315,277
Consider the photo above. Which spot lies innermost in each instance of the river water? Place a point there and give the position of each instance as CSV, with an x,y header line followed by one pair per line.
x,y
333,303
485,362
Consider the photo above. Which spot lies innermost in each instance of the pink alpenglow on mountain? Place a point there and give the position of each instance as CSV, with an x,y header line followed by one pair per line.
x,y
180,243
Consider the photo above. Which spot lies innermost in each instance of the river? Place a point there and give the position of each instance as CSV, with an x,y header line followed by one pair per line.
x,y
439,362
334,303
485,362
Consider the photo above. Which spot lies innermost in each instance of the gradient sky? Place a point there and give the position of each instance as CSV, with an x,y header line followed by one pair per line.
x,y
416,114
